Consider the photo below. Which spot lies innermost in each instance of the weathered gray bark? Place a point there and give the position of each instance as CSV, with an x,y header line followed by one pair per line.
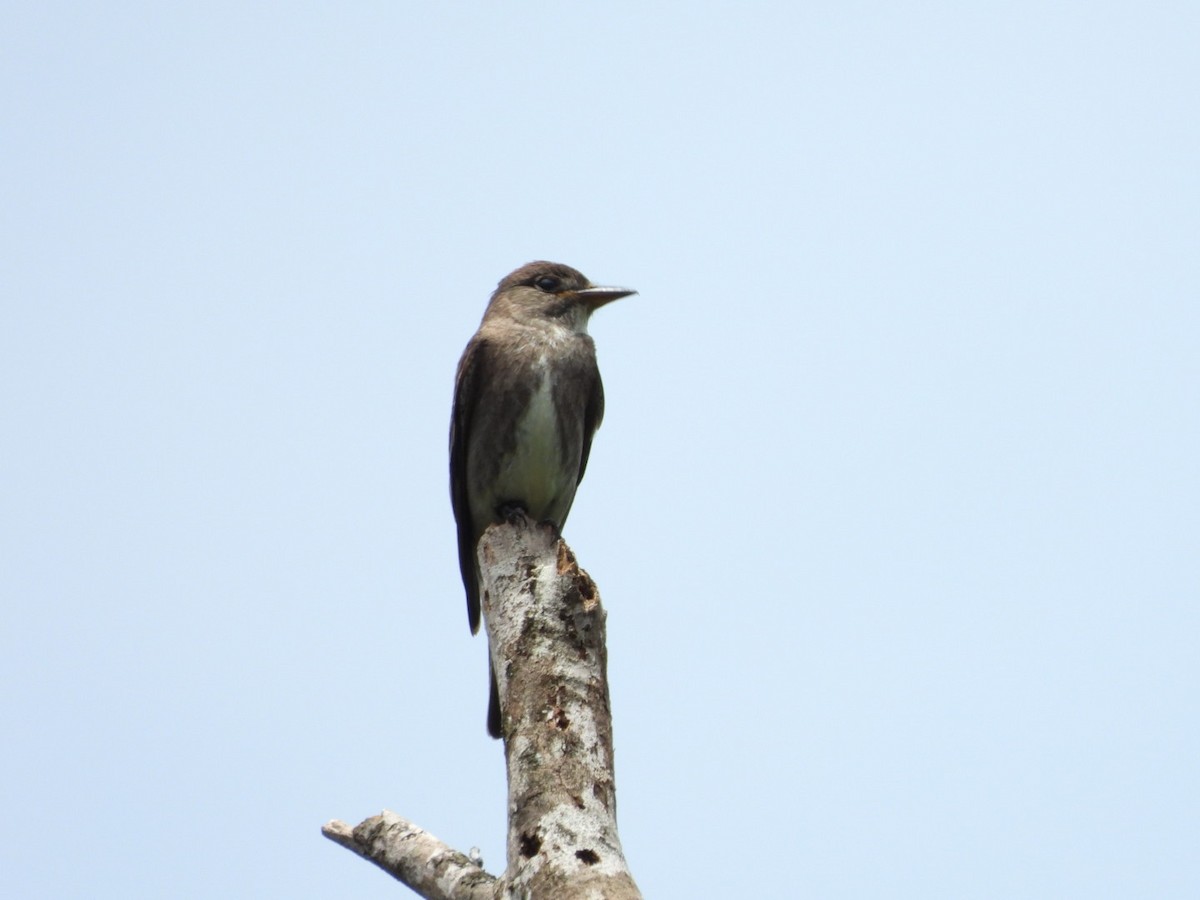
x,y
415,857
545,630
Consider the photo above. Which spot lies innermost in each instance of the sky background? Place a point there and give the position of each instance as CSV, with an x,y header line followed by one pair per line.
x,y
895,510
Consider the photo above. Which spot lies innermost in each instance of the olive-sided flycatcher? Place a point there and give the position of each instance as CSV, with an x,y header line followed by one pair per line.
x,y
527,401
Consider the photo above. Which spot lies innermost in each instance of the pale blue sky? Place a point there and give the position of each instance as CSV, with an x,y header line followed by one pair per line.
x,y
895,510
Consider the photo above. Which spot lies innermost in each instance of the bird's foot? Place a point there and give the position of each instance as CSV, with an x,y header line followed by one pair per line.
x,y
513,514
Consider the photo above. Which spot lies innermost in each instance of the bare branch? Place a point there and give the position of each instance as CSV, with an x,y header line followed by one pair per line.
x,y
545,627
414,857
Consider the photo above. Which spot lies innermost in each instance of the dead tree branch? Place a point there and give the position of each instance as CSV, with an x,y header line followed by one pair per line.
x,y
546,636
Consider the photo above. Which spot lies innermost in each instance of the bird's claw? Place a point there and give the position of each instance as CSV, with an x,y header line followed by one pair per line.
x,y
513,514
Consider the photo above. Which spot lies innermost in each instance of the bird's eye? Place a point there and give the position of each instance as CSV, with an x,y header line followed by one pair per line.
x,y
547,283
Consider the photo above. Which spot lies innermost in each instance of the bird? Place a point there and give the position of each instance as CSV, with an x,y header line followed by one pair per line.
x,y
527,401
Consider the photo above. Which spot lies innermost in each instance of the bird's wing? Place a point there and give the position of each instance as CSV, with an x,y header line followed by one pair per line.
x,y
471,374
592,414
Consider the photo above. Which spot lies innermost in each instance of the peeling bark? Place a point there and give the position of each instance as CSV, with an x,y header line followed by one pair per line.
x,y
546,637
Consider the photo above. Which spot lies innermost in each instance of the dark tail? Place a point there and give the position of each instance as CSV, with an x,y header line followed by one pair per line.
x,y
493,720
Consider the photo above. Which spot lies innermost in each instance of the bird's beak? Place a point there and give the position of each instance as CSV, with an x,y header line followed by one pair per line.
x,y
596,297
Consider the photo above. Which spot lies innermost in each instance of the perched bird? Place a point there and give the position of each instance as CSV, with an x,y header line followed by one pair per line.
x,y
527,401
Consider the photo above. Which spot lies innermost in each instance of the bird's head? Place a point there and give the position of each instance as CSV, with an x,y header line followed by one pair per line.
x,y
546,290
